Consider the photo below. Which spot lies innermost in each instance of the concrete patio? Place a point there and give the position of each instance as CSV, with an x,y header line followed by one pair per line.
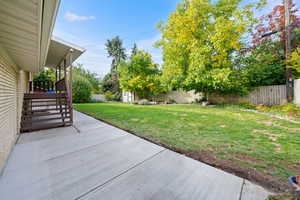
x,y
94,160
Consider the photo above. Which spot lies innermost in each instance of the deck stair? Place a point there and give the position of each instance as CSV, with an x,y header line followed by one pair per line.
x,y
43,111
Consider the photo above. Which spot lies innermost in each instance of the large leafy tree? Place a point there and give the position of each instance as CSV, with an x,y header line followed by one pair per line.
x,y
199,40
264,64
264,61
140,75
275,21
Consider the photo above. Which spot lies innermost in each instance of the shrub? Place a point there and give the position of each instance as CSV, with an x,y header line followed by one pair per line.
x,y
109,96
242,105
247,105
82,89
289,109
173,101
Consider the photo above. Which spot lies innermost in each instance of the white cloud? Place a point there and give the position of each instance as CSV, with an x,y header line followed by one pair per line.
x,y
72,17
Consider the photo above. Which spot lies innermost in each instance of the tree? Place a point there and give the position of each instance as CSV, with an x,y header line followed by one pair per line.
x,y
48,74
140,75
199,41
134,49
264,64
91,77
275,21
115,50
294,62
265,60
110,82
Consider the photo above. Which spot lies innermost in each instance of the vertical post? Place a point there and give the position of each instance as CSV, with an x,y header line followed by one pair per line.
x,y
70,85
55,74
65,70
59,71
66,89
287,27
287,22
31,89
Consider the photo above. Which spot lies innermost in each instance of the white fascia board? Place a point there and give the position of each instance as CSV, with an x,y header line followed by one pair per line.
x,y
48,17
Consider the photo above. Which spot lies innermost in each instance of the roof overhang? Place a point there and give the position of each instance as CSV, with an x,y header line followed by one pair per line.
x,y
26,29
59,50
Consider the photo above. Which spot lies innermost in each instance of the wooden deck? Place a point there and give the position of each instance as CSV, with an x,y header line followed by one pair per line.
x,y
93,160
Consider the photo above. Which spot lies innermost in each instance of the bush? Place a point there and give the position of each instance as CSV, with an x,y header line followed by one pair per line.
x,y
82,89
109,96
243,105
289,109
173,101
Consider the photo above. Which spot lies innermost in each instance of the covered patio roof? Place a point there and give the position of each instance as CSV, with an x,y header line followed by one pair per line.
x,y
25,31
59,49
26,34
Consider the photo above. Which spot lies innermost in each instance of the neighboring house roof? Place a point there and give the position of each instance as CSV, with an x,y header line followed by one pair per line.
x,y
26,30
59,49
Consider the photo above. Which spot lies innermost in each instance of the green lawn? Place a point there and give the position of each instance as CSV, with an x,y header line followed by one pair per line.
x,y
253,145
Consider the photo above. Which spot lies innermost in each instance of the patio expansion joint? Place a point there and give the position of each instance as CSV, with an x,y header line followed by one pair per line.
x,y
101,186
77,129
242,188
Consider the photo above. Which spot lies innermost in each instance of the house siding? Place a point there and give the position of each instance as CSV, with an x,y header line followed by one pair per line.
x,y
13,84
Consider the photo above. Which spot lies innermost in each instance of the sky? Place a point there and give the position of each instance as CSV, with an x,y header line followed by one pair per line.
x,y
89,23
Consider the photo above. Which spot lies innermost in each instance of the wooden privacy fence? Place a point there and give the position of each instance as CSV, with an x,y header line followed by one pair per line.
x,y
266,95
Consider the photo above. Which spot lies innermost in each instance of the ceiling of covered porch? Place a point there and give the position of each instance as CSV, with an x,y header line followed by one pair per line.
x,y
59,50
25,30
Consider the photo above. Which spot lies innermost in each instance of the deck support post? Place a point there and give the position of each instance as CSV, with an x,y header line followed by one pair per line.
x,y
59,71
70,85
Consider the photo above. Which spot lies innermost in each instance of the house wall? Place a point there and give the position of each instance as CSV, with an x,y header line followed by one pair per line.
x,y
98,97
180,96
13,83
297,91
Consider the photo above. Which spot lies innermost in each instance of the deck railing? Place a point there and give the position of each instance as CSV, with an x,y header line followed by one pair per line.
x,y
41,86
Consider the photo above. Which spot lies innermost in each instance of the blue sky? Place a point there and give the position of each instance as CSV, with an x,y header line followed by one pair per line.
x,y
89,23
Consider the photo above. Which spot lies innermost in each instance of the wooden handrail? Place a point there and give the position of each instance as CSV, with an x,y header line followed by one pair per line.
x,y
60,85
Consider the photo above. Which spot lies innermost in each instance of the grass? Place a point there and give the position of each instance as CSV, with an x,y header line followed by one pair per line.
x,y
238,138
290,111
